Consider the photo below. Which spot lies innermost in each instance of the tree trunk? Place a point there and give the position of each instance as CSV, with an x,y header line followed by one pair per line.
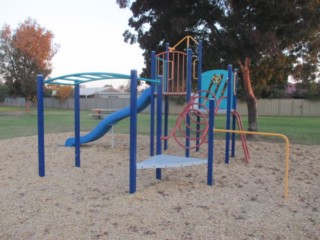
x,y
27,104
250,97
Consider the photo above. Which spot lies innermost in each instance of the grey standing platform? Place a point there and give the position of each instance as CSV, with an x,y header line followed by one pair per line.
x,y
169,161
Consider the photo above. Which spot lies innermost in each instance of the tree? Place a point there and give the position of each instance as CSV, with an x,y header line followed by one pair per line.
x,y
267,40
24,53
61,92
4,90
125,87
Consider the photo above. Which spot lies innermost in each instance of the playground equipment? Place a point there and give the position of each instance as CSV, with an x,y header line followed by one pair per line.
x,y
172,73
174,68
222,85
159,161
106,124
102,128
178,70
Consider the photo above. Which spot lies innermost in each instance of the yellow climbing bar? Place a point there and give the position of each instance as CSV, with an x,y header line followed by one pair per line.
x,y
187,38
194,64
286,172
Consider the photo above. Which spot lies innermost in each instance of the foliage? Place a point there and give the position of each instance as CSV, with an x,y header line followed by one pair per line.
x,y
47,91
272,92
180,100
313,91
123,3
62,92
24,53
125,87
267,40
270,76
272,31
4,91
310,91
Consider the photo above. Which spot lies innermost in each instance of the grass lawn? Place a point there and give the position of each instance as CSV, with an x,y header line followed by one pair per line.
x,y
15,122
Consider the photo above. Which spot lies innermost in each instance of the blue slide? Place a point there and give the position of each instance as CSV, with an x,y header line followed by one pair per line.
x,y
105,125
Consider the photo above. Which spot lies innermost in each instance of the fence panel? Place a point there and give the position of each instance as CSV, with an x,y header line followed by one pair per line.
x,y
285,107
297,107
266,107
242,107
15,102
310,108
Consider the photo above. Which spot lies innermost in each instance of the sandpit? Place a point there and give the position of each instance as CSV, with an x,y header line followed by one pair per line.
x,y
92,202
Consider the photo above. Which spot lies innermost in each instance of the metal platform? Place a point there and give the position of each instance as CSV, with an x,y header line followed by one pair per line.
x,y
169,161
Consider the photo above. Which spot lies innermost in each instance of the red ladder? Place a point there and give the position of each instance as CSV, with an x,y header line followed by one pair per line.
x,y
243,136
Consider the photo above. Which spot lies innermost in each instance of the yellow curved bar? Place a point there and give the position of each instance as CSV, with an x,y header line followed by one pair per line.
x,y
286,175
188,42
234,84
194,68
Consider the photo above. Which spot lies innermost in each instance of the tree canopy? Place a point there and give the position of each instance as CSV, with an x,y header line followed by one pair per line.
x,y
268,40
24,53
61,92
4,90
274,34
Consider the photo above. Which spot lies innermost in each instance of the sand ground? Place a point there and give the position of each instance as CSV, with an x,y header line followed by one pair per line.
x,y
92,202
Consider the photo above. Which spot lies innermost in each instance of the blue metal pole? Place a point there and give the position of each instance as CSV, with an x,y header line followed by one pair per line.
x,y
234,107
199,88
189,73
159,125
152,112
228,113
189,78
41,151
166,99
199,64
133,132
152,102
77,124
166,70
166,121
211,142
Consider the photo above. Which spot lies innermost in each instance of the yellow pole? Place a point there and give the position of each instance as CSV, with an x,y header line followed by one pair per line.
x,y
188,42
286,172
194,68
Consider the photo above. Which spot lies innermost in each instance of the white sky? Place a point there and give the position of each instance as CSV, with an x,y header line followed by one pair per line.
x,y
89,33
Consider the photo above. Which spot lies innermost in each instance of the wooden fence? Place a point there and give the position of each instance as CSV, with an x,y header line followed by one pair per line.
x,y
266,107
